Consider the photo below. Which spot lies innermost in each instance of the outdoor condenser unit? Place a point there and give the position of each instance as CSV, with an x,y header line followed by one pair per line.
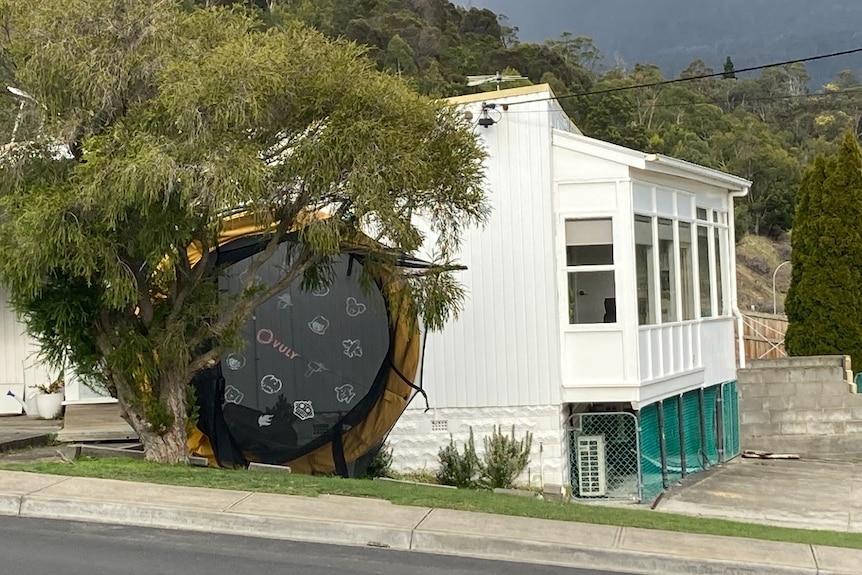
x,y
592,476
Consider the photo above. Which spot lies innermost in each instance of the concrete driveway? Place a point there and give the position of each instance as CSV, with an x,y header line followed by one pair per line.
x,y
806,494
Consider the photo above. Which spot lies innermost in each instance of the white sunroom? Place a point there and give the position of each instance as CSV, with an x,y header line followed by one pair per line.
x,y
601,302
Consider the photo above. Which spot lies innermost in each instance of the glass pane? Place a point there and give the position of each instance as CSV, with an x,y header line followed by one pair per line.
x,y
686,271
592,297
589,242
703,271
683,205
719,278
664,202
642,197
589,255
644,270
667,270
701,213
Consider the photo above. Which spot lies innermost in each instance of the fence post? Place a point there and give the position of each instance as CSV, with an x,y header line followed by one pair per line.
x,y
638,430
662,445
719,421
701,410
681,424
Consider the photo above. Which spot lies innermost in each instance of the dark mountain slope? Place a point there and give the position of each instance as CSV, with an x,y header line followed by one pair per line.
x,y
672,33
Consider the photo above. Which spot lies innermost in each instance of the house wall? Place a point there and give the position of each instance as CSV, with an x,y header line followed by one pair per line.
x,y
503,349
419,436
20,367
498,363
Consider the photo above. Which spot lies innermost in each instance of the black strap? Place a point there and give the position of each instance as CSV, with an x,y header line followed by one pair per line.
x,y
418,388
338,453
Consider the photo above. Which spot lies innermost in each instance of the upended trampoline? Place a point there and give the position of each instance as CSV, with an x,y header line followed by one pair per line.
x,y
323,376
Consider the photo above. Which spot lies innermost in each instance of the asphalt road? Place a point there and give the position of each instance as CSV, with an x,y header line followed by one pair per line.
x,y
37,547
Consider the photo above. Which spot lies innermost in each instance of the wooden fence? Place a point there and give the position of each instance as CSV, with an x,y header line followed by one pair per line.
x,y
763,335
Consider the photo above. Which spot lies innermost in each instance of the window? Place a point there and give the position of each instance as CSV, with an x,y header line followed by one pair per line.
x,y
645,270
686,271
719,235
703,271
667,270
590,270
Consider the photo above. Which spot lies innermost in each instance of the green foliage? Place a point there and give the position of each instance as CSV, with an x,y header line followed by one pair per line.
x,y
459,468
729,70
824,302
148,122
505,458
381,463
763,128
193,410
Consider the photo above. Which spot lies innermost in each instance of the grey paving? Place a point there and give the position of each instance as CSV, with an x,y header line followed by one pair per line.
x,y
806,494
19,431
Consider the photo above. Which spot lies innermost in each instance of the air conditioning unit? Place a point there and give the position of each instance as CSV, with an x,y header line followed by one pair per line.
x,y
592,476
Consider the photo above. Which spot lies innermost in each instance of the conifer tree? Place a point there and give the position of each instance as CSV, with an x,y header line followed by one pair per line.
x,y
824,303
729,70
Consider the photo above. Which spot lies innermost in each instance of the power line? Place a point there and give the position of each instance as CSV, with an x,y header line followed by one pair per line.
x,y
745,101
693,78
742,102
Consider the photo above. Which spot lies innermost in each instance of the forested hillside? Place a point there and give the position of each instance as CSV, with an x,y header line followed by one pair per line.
x,y
672,33
765,127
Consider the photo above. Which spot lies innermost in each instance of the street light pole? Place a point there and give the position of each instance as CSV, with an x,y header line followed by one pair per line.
x,y
781,265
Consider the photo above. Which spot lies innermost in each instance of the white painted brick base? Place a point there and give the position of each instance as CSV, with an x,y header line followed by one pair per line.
x,y
415,444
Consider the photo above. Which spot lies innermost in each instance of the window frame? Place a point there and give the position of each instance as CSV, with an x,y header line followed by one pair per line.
x,y
587,268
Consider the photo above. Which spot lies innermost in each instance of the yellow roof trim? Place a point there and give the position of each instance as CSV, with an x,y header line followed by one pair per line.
x,y
497,94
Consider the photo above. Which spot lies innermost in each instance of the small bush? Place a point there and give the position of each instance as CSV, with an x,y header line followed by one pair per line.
x,y
456,468
381,463
504,459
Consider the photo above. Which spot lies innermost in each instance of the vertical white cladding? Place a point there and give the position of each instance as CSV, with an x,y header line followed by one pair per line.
x,y
19,353
504,348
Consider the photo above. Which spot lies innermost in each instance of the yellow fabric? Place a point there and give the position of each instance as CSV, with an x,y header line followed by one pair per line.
x,y
382,417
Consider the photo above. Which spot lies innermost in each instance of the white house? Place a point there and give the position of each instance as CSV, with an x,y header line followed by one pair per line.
x,y
20,368
601,301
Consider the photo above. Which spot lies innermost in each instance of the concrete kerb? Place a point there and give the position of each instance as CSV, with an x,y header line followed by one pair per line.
x,y
585,557
421,533
295,529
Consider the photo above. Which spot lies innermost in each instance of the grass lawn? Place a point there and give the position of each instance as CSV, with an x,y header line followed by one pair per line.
x,y
406,494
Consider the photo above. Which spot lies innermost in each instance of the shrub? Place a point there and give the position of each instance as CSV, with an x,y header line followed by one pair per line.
x,y
505,458
381,463
456,468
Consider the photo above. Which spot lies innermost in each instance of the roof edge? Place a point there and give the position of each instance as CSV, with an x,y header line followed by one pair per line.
x,y
498,94
729,181
661,164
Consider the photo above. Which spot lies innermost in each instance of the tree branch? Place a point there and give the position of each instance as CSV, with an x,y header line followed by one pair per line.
x,y
183,287
145,304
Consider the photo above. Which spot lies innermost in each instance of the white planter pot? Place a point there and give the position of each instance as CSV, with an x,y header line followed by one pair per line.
x,y
49,405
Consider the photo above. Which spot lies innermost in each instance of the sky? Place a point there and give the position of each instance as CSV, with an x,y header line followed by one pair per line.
x,y
672,33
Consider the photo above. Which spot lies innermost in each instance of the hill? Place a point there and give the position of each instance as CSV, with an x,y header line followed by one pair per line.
x,y
673,33
756,260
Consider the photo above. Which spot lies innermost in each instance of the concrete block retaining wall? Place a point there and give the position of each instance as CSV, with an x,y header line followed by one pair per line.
x,y
804,405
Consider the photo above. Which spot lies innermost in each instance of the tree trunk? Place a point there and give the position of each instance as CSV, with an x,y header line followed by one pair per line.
x,y
168,445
